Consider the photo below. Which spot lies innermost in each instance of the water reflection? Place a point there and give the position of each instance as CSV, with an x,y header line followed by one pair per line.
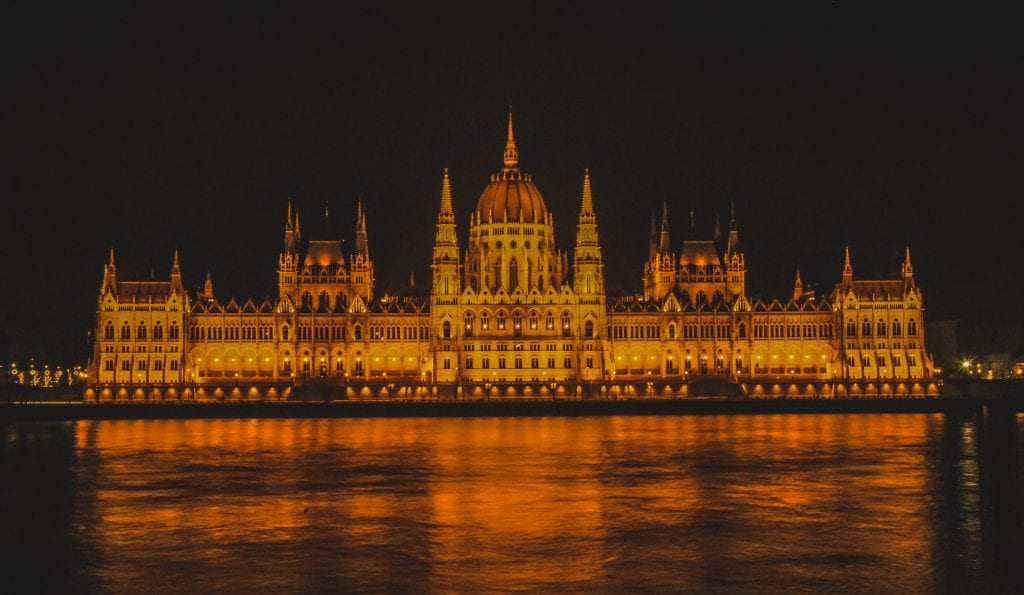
x,y
888,502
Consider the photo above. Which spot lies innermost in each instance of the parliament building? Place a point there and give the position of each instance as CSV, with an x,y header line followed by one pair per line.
x,y
510,315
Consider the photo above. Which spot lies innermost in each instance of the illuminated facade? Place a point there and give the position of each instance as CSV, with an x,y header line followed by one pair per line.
x,y
510,315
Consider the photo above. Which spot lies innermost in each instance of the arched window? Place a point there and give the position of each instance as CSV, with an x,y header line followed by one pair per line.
x,y
588,329
513,275
158,331
485,321
517,322
911,328
880,330
469,324
500,318
126,331
896,328
446,332
851,328
549,322
307,300
174,330
357,333
533,321
672,330
566,329
742,331
469,363
142,330
108,331
865,328
284,333
324,301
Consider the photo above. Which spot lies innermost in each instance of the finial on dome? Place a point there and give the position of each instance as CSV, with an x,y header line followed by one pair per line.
x,y
511,154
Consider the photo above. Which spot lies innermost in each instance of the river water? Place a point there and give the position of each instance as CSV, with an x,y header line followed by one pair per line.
x,y
893,503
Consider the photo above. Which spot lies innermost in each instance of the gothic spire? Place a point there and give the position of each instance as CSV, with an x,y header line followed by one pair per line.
x,y
446,195
907,268
664,246
588,200
847,268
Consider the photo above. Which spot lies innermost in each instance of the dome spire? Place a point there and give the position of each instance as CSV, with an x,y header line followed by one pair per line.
x,y
511,154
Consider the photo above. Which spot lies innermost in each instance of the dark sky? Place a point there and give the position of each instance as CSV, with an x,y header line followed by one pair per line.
x,y
145,127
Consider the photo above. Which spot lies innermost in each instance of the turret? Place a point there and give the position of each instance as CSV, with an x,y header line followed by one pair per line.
x,y
847,270
176,285
798,287
208,288
735,263
660,271
361,267
109,284
288,259
907,271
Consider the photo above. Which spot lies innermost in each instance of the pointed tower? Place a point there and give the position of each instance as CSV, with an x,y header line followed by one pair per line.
x,y
109,285
361,268
588,266
907,270
847,270
660,271
176,285
445,263
798,287
288,259
735,263
208,289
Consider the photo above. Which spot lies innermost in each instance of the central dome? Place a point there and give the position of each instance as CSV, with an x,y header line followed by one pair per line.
x,y
511,195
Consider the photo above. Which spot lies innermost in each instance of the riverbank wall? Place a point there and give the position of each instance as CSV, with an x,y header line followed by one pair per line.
x,y
57,411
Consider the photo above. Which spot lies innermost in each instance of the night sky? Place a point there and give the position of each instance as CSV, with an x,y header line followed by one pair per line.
x,y
828,124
